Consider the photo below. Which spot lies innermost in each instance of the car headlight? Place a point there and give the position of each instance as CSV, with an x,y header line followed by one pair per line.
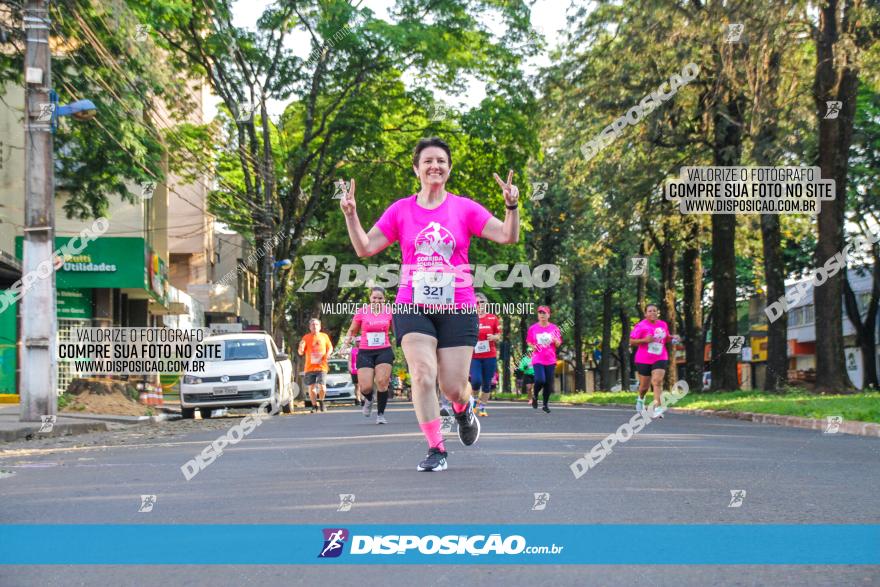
x,y
191,380
261,376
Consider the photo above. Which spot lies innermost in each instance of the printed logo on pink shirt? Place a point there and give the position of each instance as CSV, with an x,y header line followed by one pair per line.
x,y
435,239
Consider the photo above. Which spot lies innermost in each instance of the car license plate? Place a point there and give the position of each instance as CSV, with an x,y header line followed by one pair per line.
x,y
229,390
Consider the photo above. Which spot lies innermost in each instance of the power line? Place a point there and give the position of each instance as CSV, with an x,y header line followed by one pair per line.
x,y
109,61
134,158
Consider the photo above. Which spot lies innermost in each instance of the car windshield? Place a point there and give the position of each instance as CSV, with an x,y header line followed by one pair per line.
x,y
244,349
338,367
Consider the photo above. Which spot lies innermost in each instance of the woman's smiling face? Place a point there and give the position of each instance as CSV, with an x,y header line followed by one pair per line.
x,y
433,167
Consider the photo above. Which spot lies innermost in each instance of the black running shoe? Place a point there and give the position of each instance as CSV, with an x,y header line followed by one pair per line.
x,y
468,427
435,461
546,409
534,404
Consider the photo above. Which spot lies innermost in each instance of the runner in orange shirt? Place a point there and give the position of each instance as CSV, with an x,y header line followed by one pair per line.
x,y
316,347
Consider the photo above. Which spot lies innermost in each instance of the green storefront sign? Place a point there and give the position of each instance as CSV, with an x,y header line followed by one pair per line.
x,y
8,349
110,262
106,262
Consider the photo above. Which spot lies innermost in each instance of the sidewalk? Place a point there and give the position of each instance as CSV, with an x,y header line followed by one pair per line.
x,y
66,424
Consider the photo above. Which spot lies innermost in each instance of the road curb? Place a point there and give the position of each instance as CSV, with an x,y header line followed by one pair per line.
x,y
125,419
32,432
853,427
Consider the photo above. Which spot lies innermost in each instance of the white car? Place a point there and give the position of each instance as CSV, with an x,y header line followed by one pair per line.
x,y
252,371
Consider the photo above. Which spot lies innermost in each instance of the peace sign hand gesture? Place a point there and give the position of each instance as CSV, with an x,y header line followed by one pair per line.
x,y
347,202
510,191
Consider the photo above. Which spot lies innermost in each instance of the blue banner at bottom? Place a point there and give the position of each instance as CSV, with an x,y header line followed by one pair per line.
x,y
245,544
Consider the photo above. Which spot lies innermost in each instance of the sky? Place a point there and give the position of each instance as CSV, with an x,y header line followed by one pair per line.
x,y
548,18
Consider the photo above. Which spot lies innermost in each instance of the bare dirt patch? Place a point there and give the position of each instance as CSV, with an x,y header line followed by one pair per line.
x,y
116,404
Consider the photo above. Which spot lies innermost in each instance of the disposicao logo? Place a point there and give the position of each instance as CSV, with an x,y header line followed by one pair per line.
x,y
471,545
334,540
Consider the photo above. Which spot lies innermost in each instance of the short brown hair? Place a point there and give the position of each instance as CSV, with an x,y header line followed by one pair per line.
x,y
430,142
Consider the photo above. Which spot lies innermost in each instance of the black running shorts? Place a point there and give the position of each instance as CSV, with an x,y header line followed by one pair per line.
x,y
645,369
451,329
369,359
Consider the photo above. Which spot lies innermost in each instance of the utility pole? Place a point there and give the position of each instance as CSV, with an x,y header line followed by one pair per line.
x,y
39,328
268,224
268,273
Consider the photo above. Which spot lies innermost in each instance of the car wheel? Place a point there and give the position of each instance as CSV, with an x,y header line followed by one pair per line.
x,y
288,407
206,413
275,407
188,413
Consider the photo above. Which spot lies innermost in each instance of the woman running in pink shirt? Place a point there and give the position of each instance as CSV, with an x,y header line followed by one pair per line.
x,y
375,357
543,337
652,359
438,330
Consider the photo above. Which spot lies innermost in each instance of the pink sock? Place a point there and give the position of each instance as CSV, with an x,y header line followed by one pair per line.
x,y
432,433
459,408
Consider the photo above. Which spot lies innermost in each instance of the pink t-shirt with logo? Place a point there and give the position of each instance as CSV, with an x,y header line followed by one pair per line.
x,y
541,337
435,241
374,327
650,353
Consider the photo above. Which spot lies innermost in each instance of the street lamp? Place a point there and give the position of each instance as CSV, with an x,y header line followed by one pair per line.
x,y
80,110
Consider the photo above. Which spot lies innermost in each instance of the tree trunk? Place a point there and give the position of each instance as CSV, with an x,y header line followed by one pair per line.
x,y
692,276
835,137
580,380
642,283
625,327
605,363
667,303
766,143
777,331
727,148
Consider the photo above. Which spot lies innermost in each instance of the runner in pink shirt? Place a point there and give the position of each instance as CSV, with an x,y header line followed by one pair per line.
x,y
652,359
543,337
375,357
439,329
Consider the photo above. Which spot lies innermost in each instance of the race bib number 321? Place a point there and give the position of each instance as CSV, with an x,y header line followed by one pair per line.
x,y
433,288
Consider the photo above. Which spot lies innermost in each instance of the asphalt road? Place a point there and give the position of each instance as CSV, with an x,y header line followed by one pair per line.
x,y
291,470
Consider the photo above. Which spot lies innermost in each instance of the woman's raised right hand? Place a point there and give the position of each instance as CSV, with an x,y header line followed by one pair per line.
x,y
347,202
